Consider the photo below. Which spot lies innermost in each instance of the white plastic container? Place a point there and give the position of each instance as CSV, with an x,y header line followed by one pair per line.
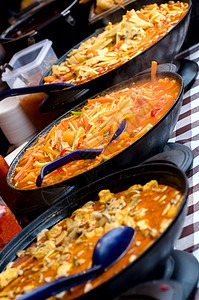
x,y
14,123
31,63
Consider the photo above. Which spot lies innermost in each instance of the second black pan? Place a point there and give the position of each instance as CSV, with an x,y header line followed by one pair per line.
x,y
32,202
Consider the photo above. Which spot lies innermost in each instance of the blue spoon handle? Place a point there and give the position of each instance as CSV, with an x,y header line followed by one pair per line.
x,y
61,284
119,131
35,89
75,155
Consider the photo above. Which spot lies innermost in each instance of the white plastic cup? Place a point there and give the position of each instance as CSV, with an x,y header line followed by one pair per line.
x,y
14,122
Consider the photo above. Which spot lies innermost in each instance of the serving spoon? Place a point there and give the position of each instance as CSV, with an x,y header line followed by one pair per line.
x,y
45,88
77,155
108,249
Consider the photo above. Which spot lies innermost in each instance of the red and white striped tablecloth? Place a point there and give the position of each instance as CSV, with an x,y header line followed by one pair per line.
x,y
187,132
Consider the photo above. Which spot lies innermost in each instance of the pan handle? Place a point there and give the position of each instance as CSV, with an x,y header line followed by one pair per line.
x,y
188,70
45,88
178,155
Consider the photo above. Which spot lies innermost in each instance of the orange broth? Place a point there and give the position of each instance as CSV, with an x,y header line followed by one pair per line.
x,y
143,104
67,247
30,105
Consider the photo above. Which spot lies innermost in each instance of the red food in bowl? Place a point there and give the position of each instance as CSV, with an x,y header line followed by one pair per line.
x,y
9,226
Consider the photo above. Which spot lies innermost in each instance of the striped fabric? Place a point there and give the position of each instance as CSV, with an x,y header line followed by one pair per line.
x,y
187,132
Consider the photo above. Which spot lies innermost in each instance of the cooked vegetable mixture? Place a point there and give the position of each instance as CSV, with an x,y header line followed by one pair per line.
x,y
118,43
67,247
141,103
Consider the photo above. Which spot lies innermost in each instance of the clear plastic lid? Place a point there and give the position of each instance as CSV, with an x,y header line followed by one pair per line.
x,y
31,63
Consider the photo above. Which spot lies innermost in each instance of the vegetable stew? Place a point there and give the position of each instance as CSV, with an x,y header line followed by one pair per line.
x,y
143,104
67,247
118,43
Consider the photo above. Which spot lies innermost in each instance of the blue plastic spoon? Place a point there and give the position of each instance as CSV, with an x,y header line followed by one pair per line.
x,y
45,88
108,249
76,155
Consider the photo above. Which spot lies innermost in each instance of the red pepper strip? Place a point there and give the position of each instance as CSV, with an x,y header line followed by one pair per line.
x,y
63,152
79,145
155,111
162,99
88,127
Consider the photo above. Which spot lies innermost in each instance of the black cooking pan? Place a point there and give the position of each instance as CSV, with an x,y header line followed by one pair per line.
x,y
32,202
163,51
51,20
150,260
